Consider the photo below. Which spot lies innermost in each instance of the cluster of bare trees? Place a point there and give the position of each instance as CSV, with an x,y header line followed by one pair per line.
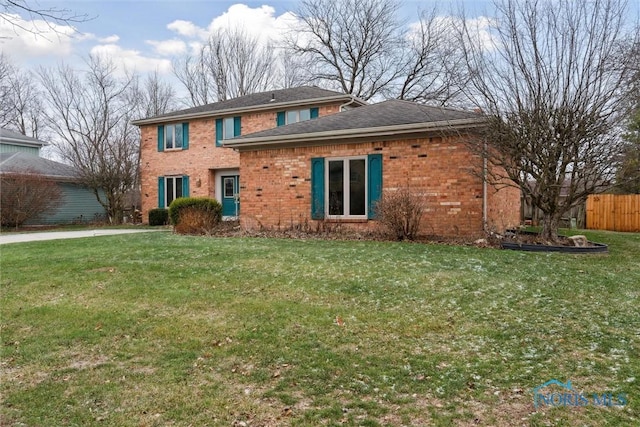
x,y
363,48
87,113
554,79
352,46
554,87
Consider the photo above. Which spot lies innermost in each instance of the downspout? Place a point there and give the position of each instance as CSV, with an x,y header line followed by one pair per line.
x,y
484,188
353,98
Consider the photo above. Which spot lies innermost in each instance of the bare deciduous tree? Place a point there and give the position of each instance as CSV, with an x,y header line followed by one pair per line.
x,y
192,72
552,84
25,196
361,48
432,65
6,70
51,17
351,44
153,96
90,113
230,64
20,100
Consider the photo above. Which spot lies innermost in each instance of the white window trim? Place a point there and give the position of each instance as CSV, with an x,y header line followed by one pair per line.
x,y
224,128
171,126
286,116
346,183
173,178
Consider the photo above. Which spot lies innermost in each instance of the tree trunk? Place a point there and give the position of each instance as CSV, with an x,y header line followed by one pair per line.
x,y
550,225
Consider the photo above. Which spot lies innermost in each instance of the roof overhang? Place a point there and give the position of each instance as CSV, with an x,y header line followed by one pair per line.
x,y
31,142
347,99
350,135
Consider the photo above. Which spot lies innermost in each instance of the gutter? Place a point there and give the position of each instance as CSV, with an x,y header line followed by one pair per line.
x,y
229,111
333,135
346,104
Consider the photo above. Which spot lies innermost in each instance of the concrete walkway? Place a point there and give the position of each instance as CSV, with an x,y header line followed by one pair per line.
x,y
6,238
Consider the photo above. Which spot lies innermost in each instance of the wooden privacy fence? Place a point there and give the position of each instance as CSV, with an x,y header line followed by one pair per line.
x,y
613,212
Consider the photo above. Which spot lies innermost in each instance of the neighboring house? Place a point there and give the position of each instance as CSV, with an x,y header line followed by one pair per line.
x,y
181,153
19,155
14,142
330,168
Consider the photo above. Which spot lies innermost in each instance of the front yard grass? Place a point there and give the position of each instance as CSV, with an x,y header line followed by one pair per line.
x,y
159,329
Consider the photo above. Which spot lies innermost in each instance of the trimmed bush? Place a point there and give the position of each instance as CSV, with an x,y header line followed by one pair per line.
x,y
159,216
206,205
196,221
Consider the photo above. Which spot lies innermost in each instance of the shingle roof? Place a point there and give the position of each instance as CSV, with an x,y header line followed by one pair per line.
x,y
257,100
10,136
386,115
28,163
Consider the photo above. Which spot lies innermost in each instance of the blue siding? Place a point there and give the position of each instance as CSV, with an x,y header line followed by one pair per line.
x,y
78,205
11,148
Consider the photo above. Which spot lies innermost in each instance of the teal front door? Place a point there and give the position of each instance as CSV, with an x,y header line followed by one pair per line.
x,y
230,195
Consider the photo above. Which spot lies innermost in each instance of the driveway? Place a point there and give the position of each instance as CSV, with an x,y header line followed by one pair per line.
x,y
55,235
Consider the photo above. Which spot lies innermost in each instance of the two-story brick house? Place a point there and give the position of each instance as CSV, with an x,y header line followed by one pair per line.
x,y
181,153
305,155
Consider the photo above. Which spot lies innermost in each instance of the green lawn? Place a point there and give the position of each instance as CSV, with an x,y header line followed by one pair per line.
x,y
158,329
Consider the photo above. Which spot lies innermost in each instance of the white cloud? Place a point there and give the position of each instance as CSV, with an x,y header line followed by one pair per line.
x,y
171,47
187,29
479,29
131,59
23,39
110,40
261,23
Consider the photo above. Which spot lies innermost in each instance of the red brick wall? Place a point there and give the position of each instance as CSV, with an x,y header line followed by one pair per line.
x,y
276,188
503,205
201,157
196,161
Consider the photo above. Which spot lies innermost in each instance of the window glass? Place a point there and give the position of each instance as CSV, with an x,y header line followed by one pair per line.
x,y
228,128
228,187
168,136
305,115
292,117
173,189
169,187
336,187
178,182
357,187
178,136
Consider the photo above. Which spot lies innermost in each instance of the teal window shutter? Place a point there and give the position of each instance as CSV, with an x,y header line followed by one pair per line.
x,y
161,191
185,136
219,133
314,113
280,121
237,127
161,138
317,188
185,186
375,182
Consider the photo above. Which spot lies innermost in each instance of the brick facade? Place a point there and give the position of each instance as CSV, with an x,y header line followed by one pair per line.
x,y
276,185
201,159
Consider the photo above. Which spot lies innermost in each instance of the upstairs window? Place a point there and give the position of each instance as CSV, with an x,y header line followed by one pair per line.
x,y
173,136
295,116
227,128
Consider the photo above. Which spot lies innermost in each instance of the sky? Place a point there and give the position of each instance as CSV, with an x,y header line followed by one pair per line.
x,y
145,35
